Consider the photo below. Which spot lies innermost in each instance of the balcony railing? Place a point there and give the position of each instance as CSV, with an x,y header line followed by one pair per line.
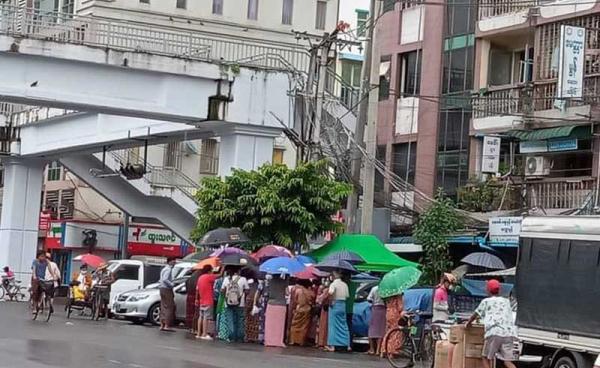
x,y
494,8
545,93
560,193
497,101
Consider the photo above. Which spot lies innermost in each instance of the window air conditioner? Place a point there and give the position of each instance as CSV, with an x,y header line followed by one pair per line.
x,y
537,166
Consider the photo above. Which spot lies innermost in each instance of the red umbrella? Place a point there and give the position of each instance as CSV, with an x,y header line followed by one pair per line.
x,y
272,251
90,260
310,273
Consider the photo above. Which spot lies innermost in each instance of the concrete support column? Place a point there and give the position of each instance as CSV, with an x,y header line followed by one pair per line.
x,y
20,214
246,147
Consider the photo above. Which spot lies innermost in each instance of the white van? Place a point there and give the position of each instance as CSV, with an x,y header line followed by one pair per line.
x,y
132,274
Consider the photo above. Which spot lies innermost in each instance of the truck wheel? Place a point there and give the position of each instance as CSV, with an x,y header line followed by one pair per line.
x,y
154,314
565,362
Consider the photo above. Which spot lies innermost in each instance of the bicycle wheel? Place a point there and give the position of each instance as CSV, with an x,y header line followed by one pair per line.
x,y
400,348
23,295
428,349
2,292
50,308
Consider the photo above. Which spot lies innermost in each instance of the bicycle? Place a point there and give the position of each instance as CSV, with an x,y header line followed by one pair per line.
x,y
46,289
418,343
13,291
98,303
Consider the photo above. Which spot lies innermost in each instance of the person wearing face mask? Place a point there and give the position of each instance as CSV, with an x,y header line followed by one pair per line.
x,y
440,298
84,278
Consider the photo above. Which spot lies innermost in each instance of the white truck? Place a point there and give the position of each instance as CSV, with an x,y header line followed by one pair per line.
x,y
558,290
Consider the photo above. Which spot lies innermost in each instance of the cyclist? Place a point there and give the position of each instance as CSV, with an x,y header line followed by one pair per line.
x,y
104,278
38,276
8,277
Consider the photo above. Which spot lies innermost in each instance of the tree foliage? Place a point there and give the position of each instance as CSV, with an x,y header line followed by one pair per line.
x,y
432,230
272,204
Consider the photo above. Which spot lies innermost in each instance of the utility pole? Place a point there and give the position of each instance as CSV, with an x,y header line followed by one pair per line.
x,y
363,111
323,52
125,236
371,134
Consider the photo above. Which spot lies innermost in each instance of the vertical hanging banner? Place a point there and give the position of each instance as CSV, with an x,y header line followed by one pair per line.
x,y
571,57
490,162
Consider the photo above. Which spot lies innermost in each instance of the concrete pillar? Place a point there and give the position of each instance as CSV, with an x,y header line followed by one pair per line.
x,y
20,214
246,147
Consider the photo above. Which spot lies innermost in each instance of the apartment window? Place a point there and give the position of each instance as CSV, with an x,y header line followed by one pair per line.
x,y
453,156
68,6
287,12
458,70
144,1
209,157
181,4
388,5
410,76
54,171
509,67
217,7
361,22
384,77
278,155
404,158
321,17
253,9
173,154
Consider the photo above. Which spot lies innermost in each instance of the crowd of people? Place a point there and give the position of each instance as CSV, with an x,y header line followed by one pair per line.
x,y
233,304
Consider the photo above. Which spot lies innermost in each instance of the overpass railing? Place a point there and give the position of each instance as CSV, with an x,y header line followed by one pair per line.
x,y
122,35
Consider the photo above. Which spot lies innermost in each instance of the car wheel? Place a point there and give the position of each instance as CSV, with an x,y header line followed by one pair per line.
x,y
565,362
154,314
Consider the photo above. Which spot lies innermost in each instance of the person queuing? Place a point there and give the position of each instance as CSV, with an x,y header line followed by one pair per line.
x,y
338,334
394,312
500,331
205,302
234,289
323,304
167,298
275,317
191,307
377,321
303,299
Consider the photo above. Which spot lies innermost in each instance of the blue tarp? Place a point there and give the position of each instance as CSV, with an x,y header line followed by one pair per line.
x,y
419,300
477,287
361,318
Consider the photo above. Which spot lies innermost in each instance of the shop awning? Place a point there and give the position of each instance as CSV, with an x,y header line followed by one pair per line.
x,y
569,131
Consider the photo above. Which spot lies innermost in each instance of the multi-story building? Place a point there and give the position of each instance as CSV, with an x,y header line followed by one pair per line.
x,y
487,70
549,145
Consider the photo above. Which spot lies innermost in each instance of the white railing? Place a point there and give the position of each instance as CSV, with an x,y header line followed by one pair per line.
x,y
498,101
560,193
121,35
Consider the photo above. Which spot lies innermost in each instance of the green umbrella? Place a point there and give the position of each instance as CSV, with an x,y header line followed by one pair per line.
x,y
398,281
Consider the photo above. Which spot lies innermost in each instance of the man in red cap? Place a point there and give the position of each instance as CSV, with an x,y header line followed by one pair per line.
x,y
496,315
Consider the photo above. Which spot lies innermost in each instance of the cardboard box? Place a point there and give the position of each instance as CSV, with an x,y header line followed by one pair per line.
x,y
472,363
456,334
473,350
473,334
442,349
458,355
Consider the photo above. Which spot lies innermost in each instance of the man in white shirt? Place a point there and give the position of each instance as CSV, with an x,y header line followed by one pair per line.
x,y
52,271
234,288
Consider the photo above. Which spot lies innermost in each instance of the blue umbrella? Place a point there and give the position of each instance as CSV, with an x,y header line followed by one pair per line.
x,y
364,277
345,255
282,265
305,259
336,265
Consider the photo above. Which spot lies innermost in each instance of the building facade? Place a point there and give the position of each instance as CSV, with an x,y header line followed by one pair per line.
x,y
487,71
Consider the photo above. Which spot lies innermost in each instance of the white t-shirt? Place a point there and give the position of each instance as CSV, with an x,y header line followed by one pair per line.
x,y
52,273
339,290
242,283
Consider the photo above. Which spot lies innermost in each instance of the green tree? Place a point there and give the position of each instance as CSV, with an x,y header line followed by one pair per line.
x,y
272,204
438,222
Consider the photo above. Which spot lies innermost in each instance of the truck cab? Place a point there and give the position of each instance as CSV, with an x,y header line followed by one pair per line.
x,y
132,274
558,290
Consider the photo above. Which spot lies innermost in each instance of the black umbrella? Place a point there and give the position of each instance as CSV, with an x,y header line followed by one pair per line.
x,y
237,260
222,236
336,265
198,256
483,259
345,255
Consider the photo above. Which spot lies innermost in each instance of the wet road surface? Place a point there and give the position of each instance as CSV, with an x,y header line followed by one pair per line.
x,y
81,343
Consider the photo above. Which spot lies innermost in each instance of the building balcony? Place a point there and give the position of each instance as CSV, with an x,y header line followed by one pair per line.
x,y
498,108
560,193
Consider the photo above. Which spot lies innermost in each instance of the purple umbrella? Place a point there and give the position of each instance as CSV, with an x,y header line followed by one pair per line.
x,y
227,252
272,251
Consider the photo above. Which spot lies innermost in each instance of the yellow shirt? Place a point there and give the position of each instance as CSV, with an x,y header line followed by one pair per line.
x,y
78,294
